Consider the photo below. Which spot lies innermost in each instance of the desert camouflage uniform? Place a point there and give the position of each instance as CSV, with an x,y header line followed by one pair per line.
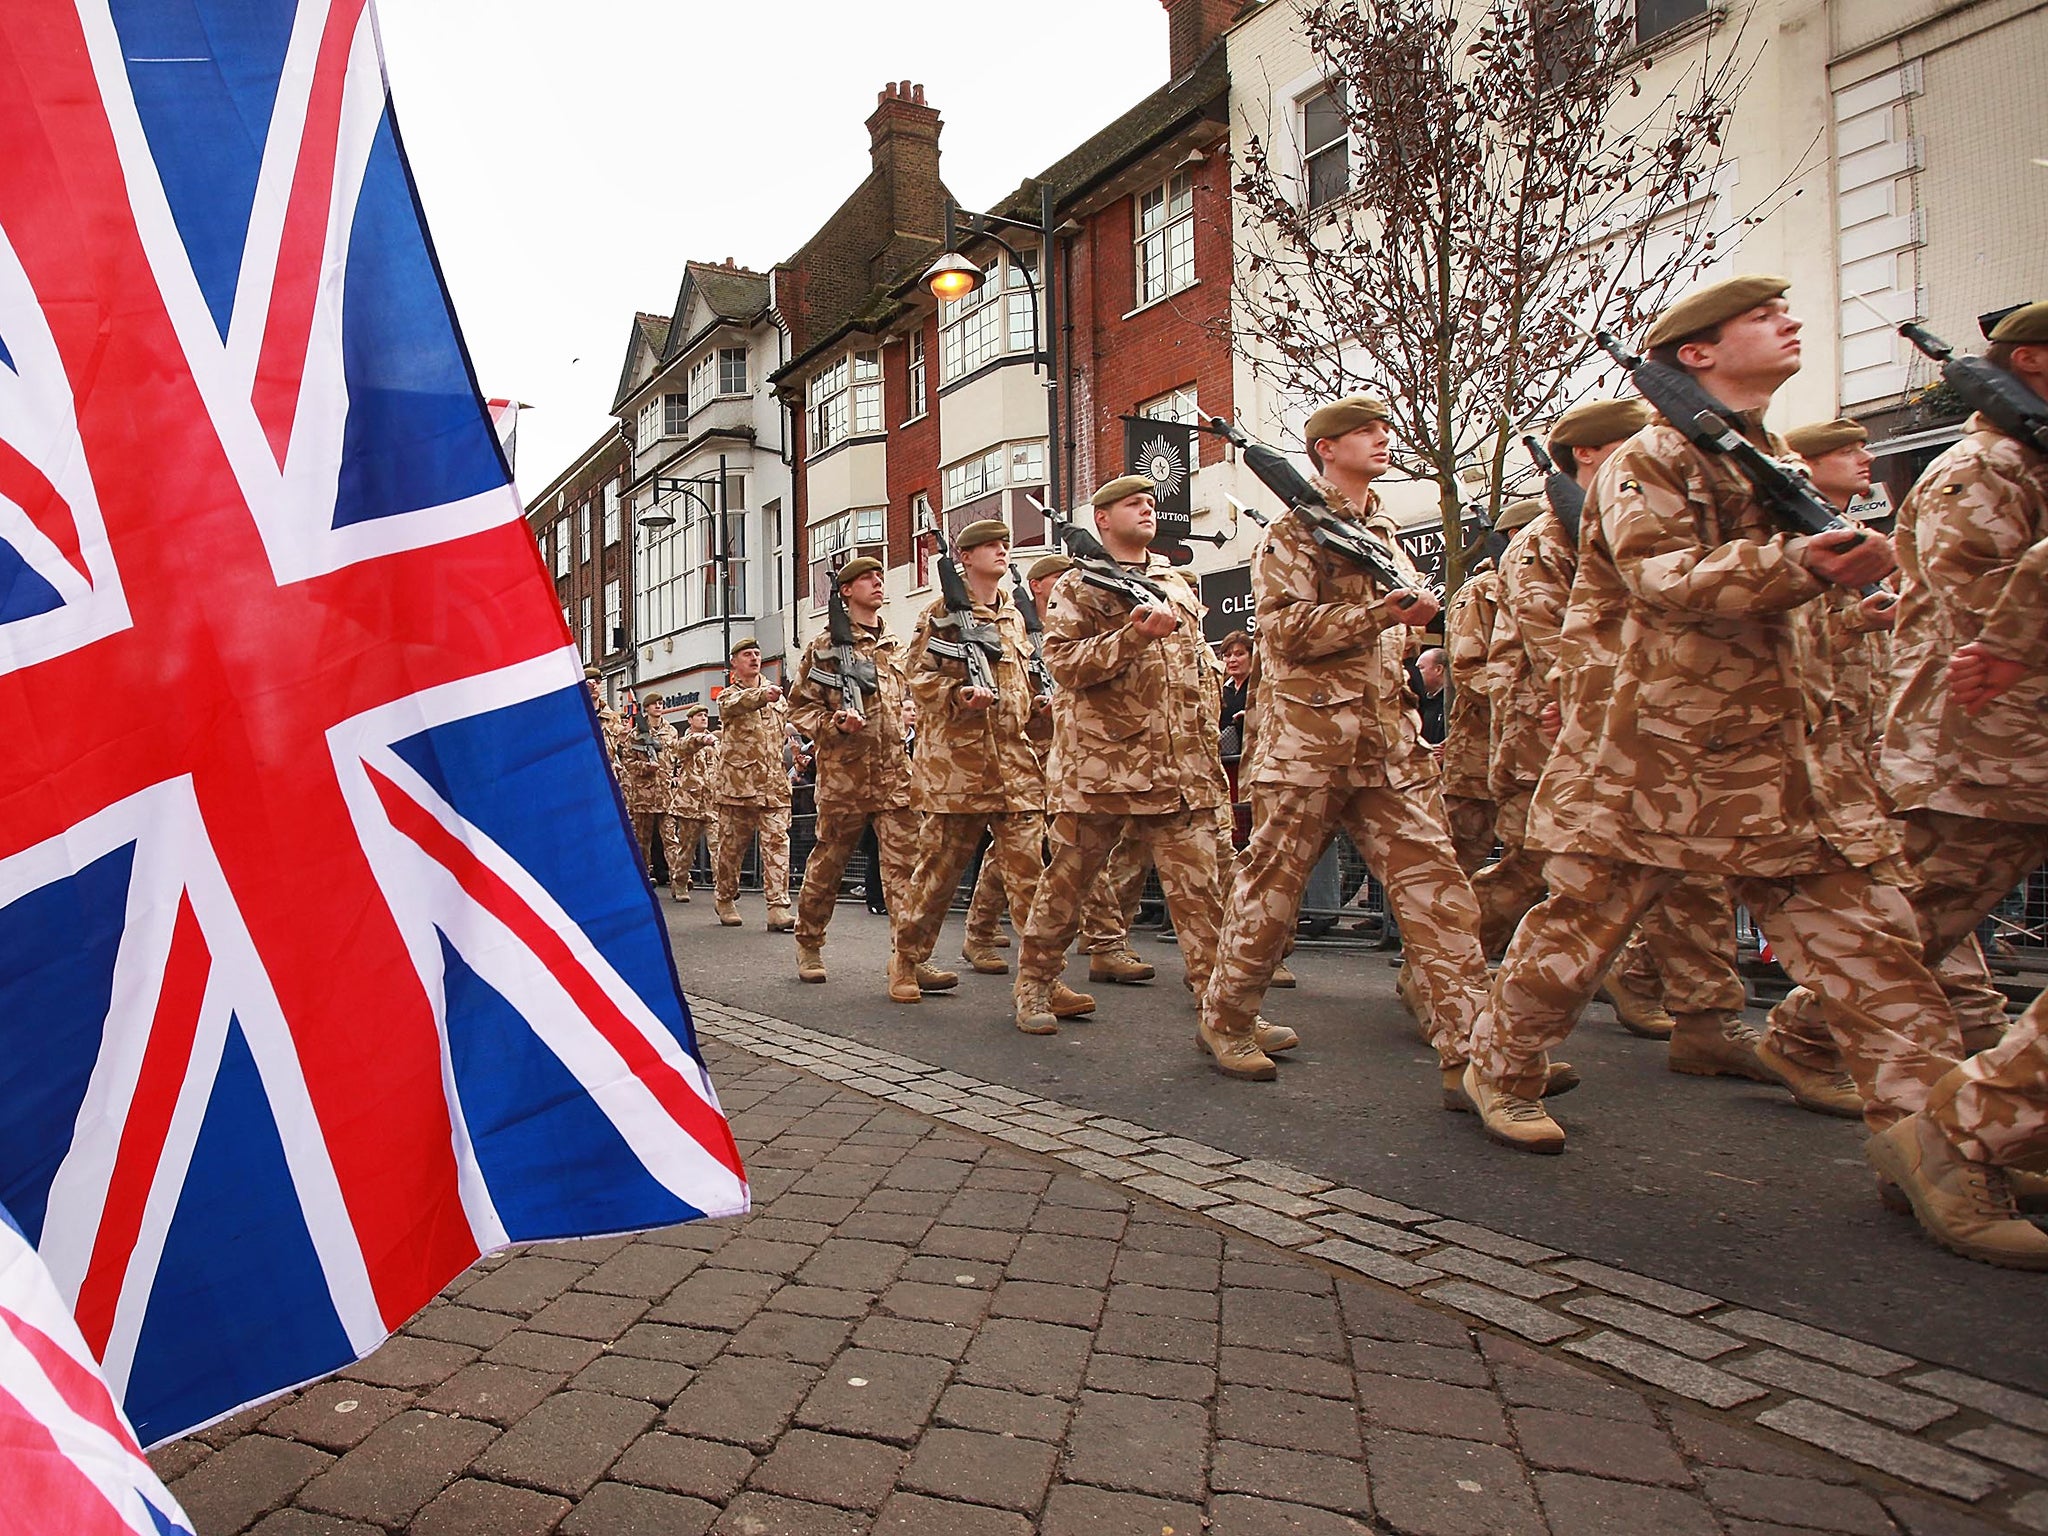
x,y
690,766
645,782
1994,1107
1336,745
975,770
753,791
1134,756
1468,798
863,777
1696,739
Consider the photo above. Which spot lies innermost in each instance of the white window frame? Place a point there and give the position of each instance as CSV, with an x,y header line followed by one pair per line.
x,y
838,532
661,595
845,400
1175,405
916,377
584,550
993,322
614,611
1323,149
562,537
775,535
1163,230
981,474
611,512
921,517
589,655
727,356
702,381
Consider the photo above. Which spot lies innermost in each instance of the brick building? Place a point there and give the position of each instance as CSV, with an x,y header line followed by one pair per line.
x,y
578,521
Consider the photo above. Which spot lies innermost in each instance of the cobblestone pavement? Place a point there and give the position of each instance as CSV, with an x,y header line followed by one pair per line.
x,y
972,1311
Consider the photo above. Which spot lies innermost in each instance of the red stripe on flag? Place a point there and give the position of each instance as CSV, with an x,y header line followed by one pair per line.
x,y
489,890
166,1061
46,1492
82,1390
30,489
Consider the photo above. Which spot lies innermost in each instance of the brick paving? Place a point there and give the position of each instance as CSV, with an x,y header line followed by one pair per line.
x,y
930,1326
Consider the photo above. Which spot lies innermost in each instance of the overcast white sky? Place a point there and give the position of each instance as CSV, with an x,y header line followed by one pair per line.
x,y
572,153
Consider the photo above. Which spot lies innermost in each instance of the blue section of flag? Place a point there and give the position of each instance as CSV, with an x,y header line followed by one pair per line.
x,y
202,1344
55,992
6,357
524,776
416,436
24,592
204,74
554,1163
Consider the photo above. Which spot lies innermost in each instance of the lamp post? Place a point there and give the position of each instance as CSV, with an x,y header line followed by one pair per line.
x,y
953,276
715,506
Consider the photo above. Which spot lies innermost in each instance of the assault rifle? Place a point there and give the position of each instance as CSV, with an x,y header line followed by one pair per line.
x,y
976,644
1677,396
1987,389
1034,626
1339,535
853,678
1566,496
1096,566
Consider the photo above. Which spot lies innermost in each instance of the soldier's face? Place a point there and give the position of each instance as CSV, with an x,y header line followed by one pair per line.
x,y
1762,344
746,667
989,561
1364,453
1844,473
1041,589
698,721
1131,521
865,591
654,710
1588,460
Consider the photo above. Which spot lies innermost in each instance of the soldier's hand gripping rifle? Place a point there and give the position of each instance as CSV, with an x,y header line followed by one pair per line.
x,y
1787,496
1987,389
853,678
974,643
1034,626
1566,496
1340,536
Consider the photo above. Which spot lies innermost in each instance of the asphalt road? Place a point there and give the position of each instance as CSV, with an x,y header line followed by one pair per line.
x,y
1720,1185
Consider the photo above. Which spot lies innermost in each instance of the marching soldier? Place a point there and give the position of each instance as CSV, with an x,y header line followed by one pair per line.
x,y
975,769
1134,754
863,775
1338,746
689,765
1686,747
1468,624
753,789
643,777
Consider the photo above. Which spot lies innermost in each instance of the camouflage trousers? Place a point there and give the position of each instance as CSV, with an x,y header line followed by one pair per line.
x,y
839,832
1181,846
1400,833
679,838
1966,865
1102,914
1470,823
737,825
945,846
1798,1028
1994,1107
1683,951
1837,931
1507,888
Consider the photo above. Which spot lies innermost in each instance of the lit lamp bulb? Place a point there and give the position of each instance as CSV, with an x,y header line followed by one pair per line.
x,y
952,276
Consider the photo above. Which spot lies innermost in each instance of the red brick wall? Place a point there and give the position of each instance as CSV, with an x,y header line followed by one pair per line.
x,y
913,449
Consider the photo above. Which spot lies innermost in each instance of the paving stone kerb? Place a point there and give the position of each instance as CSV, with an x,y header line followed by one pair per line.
x,y
925,1327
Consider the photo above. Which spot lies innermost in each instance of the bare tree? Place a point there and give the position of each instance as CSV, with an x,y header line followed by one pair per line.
x,y
1511,188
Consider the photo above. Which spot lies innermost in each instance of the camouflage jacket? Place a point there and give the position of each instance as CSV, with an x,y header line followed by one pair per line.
x,y
1970,568
1696,729
690,763
864,770
1535,585
974,761
1335,701
1468,624
1858,653
751,740
1136,731
641,772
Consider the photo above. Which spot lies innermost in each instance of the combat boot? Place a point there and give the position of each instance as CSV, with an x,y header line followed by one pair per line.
x,y
1282,976
979,954
1716,1044
728,913
1966,1207
903,987
999,939
781,920
1034,1008
1639,1015
810,963
1273,1038
1510,1119
1237,1054
679,893
1825,1093
1559,1077
931,979
1118,965
1069,1004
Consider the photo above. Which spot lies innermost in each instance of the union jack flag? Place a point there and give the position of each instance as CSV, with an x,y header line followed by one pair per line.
x,y
326,962
72,1462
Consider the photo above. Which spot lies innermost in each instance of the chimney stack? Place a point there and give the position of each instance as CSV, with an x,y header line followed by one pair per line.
x,y
1191,26
902,124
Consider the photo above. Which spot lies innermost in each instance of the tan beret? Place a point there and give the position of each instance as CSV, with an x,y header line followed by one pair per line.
x,y
1519,514
592,673
2026,326
1817,438
856,568
1122,486
1705,308
744,645
1346,415
987,531
1596,423
1050,565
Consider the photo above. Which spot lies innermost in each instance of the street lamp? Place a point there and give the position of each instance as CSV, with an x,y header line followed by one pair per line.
x,y
953,276
692,486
